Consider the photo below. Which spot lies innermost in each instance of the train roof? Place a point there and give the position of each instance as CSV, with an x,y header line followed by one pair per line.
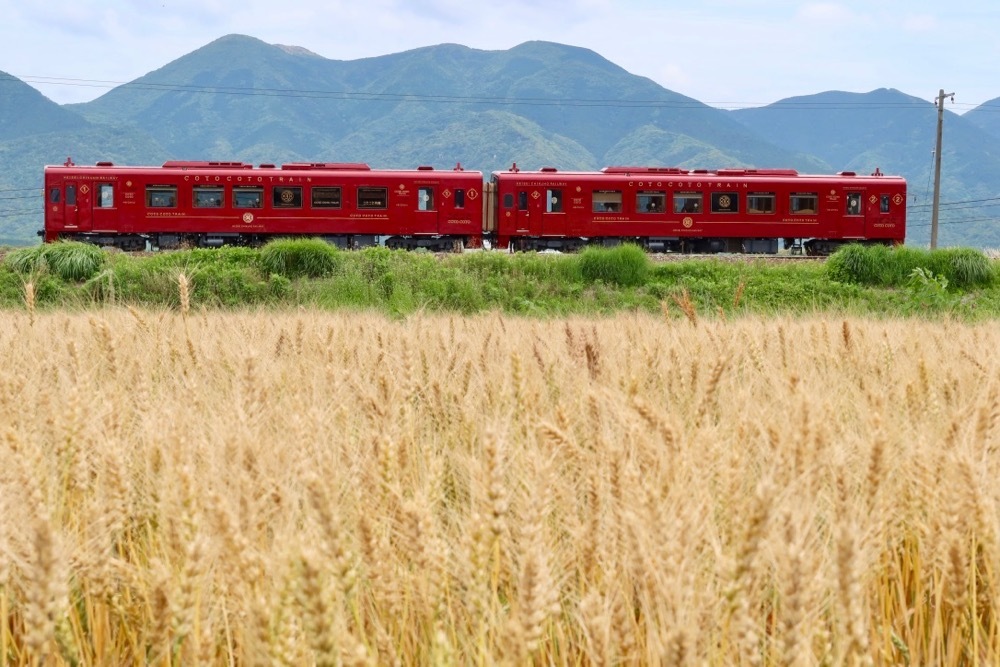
x,y
667,172
235,166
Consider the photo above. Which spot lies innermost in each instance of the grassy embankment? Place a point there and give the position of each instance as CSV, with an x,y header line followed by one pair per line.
x,y
857,281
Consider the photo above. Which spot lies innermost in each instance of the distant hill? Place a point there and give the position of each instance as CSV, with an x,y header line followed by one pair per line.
x,y
986,117
537,104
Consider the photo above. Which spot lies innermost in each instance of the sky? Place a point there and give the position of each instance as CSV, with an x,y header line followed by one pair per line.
x,y
725,53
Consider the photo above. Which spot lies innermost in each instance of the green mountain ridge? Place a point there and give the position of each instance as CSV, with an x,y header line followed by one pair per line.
x,y
536,104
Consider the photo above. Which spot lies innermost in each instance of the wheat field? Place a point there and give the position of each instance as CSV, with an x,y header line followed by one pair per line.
x,y
300,488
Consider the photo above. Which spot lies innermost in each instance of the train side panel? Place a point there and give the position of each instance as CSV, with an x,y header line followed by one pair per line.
x,y
673,209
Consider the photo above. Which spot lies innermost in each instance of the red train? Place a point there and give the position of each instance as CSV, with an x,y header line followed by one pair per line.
x,y
352,205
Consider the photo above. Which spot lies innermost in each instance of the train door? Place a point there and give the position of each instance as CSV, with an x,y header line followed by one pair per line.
x,y
76,205
529,211
853,218
554,216
426,218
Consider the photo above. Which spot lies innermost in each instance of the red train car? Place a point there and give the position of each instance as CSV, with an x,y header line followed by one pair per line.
x,y
219,203
671,209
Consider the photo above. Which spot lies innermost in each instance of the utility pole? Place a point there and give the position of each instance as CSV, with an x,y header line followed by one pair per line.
x,y
937,166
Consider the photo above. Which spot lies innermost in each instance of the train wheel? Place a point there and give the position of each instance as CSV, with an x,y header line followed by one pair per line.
x,y
458,245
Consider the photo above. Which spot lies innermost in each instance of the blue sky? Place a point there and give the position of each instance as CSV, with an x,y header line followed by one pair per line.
x,y
728,53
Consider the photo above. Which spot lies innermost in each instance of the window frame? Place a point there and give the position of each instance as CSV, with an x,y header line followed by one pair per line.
x,y
99,199
335,201
239,190
686,198
756,197
278,200
372,198
651,197
601,199
167,190
211,190
795,196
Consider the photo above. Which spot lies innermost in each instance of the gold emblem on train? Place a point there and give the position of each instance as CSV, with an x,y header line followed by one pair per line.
x,y
725,201
287,196
248,218
687,222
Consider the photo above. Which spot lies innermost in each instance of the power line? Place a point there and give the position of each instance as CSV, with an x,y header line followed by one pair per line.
x,y
453,99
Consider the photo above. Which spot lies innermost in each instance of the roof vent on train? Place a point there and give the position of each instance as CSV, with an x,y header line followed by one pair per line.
x,y
548,169
846,173
643,170
266,165
342,166
425,167
105,164
205,164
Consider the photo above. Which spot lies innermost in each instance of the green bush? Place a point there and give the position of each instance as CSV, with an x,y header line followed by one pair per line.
x,y
297,258
625,266
882,266
70,260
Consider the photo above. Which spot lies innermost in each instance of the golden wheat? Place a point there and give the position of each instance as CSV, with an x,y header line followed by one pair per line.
x,y
314,488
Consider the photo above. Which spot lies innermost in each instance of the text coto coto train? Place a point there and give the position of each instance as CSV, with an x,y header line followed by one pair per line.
x,y
352,205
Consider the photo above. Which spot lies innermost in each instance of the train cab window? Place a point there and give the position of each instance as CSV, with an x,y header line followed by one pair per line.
x,y
607,201
883,206
248,197
522,201
370,198
287,197
208,197
425,199
326,197
687,202
508,200
725,202
804,203
460,198
55,194
651,201
760,202
161,196
854,203
71,195
105,195
553,201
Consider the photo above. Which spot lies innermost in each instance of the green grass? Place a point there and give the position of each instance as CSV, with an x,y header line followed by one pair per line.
x,y
874,281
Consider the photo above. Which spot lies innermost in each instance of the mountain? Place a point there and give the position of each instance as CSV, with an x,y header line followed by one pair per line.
x,y
985,117
25,111
537,104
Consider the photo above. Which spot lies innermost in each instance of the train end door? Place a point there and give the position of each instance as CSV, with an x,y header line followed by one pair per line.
x,y
852,221
67,207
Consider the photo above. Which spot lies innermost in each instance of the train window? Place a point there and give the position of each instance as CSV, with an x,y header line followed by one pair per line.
x,y
459,198
804,203
105,195
54,195
208,197
553,201
854,203
651,201
760,202
71,195
248,197
884,204
161,196
607,201
508,200
326,197
687,202
287,197
725,202
373,198
522,201
425,199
